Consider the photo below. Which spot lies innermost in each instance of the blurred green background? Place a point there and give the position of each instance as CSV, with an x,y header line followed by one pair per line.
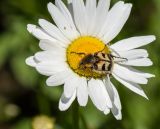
x,y
24,94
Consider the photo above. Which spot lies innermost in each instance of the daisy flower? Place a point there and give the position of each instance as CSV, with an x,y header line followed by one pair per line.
x,y
76,52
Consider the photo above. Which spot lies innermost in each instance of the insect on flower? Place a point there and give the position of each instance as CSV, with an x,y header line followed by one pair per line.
x,y
98,62
76,52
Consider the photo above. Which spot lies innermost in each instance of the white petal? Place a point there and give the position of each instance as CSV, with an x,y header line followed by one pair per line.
x,y
50,68
51,46
65,102
39,33
138,62
146,75
109,88
117,113
107,111
53,31
132,86
131,43
117,101
66,13
62,23
113,93
126,74
91,15
119,5
58,78
98,94
80,17
71,84
101,14
116,110
31,61
115,21
133,54
82,92
52,56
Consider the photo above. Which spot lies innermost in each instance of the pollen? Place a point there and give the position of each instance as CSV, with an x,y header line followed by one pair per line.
x,y
80,48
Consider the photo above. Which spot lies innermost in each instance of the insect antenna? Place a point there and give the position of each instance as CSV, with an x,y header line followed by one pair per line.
x,y
122,59
81,53
118,57
102,49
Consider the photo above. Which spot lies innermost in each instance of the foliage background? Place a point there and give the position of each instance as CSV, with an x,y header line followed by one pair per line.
x,y
24,94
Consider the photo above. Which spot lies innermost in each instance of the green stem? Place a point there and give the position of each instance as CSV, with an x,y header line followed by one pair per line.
x,y
84,122
75,115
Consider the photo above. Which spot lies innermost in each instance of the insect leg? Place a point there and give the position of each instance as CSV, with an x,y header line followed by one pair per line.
x,y
103,71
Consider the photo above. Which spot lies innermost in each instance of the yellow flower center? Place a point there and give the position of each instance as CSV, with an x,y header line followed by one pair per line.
x,y
79,49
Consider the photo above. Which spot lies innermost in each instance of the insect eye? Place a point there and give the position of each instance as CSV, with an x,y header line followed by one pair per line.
x,y
97,58
81,63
